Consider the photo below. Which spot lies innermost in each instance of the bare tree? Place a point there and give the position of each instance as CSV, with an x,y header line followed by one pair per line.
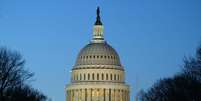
x,y
184,86
24,93
12,71
13,77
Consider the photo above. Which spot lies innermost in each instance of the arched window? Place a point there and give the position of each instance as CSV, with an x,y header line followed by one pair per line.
x,y
76,76
93,76
80,76
114,76
118,77
88,76
97,76
84,76
102,76
110,76
106,76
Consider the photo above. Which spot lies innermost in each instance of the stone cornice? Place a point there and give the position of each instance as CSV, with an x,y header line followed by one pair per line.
x,y
98,67
97,85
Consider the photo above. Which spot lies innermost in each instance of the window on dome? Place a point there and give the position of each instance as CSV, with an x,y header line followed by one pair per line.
x,y
106,76
121,78
111,76
102,76
97,76
88,76
84,76
80,76
93,76
76,77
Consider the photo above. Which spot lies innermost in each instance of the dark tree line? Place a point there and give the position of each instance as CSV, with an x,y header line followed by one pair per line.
x,y
14,79
184,86
24,93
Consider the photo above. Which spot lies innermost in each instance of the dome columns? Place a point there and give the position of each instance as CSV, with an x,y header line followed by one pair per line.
x,y
98,94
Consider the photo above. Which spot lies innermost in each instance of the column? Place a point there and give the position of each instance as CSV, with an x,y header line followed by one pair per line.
x,y
76,95
117,95
80,94
69,95
94,94
73,95
88,94
112,95
128,95
124,95
85,94
103,94
121,95
107,95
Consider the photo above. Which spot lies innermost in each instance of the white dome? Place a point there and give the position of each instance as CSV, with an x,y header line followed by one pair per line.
x,y
98,54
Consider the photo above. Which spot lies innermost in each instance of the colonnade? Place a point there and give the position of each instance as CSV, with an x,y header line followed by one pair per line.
x,y
97,94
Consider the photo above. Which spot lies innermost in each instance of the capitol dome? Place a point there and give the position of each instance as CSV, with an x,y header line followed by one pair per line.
x,y
97,74
98,54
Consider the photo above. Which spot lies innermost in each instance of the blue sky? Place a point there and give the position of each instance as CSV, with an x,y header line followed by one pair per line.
x,y
151,36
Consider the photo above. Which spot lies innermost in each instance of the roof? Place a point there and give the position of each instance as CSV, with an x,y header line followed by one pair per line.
x,y
98,54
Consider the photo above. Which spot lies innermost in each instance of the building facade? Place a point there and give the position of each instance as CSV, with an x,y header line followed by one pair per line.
x,y
98,74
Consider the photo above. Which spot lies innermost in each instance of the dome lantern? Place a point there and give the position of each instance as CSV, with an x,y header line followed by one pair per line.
x,y
98,29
